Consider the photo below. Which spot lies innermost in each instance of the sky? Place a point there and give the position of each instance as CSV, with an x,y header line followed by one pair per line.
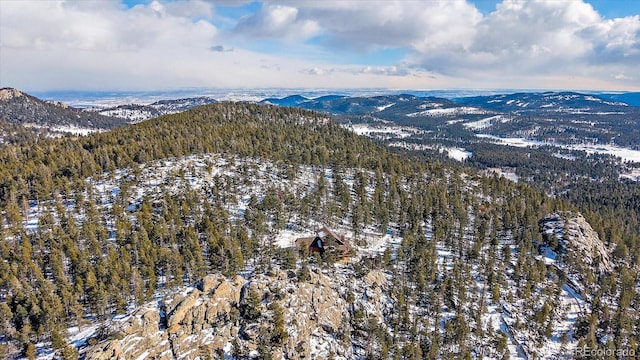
x,y
48,45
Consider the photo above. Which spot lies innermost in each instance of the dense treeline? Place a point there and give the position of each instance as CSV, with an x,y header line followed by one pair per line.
x,y
617,205
88,261
541,168
288,135
67,270
15,134
592,184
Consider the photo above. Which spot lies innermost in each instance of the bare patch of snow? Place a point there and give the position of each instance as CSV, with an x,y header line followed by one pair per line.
x,y
71,129
448,111
458,153
485,123
633,175
380,108
624,153
510,175
383,132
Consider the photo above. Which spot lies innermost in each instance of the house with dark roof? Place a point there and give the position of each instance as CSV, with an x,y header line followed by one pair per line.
x,y
325,241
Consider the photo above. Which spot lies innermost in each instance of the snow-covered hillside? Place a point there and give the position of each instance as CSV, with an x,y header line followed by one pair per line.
x,y
345,294
135,112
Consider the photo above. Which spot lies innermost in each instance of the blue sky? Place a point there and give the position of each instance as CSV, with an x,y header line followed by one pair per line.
x,y
401,44
606,8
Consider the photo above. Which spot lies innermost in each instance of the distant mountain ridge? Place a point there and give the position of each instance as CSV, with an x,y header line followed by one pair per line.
x,y
345,105
631,98
565,117
137,112
547,101
18,107
543,116
513,102
292,100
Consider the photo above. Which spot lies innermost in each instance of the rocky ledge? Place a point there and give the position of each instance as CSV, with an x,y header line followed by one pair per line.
x,y
220,316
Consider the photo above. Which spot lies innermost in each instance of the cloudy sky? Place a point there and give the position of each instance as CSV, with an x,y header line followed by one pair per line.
x,y
403,44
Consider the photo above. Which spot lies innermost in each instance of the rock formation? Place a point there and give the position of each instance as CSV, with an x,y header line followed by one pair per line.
x,y
206,320
576,235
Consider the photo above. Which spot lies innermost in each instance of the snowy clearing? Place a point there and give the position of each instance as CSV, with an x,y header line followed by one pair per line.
x,y
383,131
624,153
485,123
448,111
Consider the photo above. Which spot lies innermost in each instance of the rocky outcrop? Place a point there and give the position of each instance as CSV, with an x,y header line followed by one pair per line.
x,y
207,320
577,239
9,93
375,278
138,336
196,320
177,315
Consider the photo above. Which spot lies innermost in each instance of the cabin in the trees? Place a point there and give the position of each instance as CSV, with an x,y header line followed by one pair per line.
x,y
325,241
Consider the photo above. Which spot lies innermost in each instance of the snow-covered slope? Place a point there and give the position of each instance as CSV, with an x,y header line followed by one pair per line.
x,y
332,311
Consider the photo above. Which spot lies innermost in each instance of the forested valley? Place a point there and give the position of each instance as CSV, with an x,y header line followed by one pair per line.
x,y
470,265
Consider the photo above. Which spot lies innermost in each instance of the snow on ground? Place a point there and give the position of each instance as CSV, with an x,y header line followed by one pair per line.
x,y
78,336
252,177
573,307
375,241
73,130
548,256
588,111
624,153
383,131
518,103
633,175
131,114
458,153
496,321
70,129
429,104
455,153
485,123
564,156
413,146
380,108
510,175
517,142
448,111
287,238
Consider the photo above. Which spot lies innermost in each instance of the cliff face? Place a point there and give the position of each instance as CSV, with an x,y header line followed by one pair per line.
x,y
576,237
178,326
211,320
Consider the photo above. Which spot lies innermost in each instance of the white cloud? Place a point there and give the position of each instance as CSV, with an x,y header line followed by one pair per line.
x,y
367,24
189,9
169,44
519,40
554,38
362,70
102,25
278,21
615,41
100,44
220,48
229,2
